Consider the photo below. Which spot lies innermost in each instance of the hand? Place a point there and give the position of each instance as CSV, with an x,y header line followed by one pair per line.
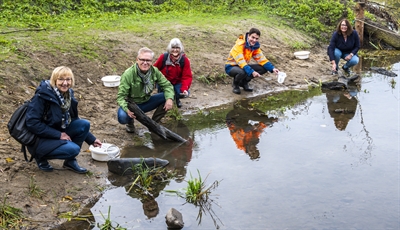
x,y
131,114
333,66
65,136
168,104
256,74
276,71
348,57
97,143
185,93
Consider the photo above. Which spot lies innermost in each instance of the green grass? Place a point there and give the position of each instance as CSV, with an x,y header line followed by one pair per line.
x,y
10,217
34,189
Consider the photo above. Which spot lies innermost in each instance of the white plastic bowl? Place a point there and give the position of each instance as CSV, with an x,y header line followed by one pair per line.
x,y
281,77
105,152
111,80
302,54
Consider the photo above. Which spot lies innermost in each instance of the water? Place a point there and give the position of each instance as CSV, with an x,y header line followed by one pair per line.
x,y
310,168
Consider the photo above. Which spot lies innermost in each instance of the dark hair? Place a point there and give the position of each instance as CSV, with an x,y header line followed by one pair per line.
x,y
349,27
255,31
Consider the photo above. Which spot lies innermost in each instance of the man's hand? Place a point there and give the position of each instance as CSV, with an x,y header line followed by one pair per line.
x,y
130,114
168,104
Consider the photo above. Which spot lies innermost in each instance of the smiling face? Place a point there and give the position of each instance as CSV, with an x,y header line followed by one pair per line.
x,y
175,51
343,27
64,82
253,39
144,61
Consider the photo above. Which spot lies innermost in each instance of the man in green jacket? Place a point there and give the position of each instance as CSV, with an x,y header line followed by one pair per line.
x,y
137,84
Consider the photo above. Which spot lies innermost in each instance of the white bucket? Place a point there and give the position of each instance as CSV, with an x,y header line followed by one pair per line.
x,y
105,152
111,80
281,77
302,54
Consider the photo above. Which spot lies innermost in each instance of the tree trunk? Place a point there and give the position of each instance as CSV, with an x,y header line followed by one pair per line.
x,y
152,125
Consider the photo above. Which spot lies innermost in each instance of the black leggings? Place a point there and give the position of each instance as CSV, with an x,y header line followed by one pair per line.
x,y
238,72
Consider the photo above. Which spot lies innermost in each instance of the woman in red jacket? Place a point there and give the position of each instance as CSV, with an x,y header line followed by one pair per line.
x,y
176,68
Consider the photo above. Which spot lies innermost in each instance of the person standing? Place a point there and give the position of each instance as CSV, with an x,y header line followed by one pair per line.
x,y
237,64
137,84
52,116
175,66
344,44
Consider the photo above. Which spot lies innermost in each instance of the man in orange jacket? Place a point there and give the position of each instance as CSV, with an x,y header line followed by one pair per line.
x,y
237,64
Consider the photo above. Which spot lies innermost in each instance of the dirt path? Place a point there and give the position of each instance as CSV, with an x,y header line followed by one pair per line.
x,y
65,191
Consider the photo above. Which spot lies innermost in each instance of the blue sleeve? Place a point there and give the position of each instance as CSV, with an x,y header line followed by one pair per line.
x,y
332,46
248,70
269,67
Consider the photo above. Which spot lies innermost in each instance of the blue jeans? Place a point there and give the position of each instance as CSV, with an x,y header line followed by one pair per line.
x,y
77,131
350,63
154,101
177,89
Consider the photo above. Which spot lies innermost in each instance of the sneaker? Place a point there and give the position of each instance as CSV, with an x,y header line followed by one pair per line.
x,y
347,70
334,72
130,128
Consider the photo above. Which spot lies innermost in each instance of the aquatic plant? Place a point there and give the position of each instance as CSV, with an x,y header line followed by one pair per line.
x,y
10,217
108,223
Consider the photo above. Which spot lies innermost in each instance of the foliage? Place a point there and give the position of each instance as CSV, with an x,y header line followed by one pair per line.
x,y
10,217
34,189
108,223
314,17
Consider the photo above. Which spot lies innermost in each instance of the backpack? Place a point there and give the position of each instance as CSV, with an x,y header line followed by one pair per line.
x,y
18,130
181,61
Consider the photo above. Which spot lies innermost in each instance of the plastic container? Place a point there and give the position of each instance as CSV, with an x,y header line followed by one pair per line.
x,y
105,152
302,54
281,77
111,80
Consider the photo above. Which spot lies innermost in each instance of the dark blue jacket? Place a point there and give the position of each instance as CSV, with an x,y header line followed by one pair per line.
x,y
352,45
48,130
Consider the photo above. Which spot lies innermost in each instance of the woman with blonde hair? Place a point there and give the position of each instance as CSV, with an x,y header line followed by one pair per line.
x,y
52,116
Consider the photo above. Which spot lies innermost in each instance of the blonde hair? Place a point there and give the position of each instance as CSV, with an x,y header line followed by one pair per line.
x,y
61,71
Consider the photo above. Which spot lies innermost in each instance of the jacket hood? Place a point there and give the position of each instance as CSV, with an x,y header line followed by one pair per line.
x,y
256,46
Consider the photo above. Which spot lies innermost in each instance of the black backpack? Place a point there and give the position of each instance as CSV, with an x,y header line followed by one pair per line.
x,y
18,130
181,61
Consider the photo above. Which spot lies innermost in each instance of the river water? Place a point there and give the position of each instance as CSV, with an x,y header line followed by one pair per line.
x,y
328,162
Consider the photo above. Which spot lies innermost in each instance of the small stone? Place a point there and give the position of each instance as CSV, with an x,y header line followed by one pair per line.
x,y
174,219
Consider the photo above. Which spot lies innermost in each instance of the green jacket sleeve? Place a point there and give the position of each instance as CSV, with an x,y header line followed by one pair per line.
x,y
124,88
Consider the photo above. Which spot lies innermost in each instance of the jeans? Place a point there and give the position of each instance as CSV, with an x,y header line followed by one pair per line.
x,y
77,131
350,63
154,101
177,89
239,73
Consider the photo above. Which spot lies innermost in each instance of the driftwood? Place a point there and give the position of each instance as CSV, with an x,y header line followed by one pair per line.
x,y
152,125
383,71
381,33
341,84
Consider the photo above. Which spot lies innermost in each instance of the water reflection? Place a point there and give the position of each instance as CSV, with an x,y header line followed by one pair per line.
x,y
246,126
342,105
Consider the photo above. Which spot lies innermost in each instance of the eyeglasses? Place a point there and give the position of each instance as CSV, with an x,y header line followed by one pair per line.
x,y
343,25
62,79
145,60
177,48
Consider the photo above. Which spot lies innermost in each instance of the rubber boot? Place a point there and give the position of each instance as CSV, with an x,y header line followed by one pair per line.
x,y
245,84
236,82
159,113
178,101
130,127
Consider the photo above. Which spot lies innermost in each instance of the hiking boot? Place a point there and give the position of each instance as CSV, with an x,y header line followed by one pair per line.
x,y
334,72
346,70
178,103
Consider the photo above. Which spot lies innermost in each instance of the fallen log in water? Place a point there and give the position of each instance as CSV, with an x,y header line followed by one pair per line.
x,y
123,166
152,125
381,33
383,71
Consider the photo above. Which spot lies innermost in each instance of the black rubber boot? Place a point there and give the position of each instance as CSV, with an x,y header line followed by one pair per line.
x,y
159,113
178,101
245,84
130,127
236,83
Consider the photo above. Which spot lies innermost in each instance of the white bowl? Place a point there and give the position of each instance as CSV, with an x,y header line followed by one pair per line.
x,y
302,54
105,152
111,80
281,77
